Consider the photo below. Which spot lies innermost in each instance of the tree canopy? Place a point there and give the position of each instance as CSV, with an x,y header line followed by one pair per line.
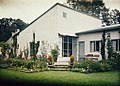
x,y
97,9
9,25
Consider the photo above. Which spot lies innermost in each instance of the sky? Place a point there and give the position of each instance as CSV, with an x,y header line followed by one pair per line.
x,y
28,10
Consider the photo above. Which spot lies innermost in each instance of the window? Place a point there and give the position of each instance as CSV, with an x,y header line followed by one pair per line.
x,y
67,45
116,44
92,46
95,46
64,15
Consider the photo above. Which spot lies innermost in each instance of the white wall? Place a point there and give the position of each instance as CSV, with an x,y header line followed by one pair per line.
x,y
50,24
94,37
75,21
44,28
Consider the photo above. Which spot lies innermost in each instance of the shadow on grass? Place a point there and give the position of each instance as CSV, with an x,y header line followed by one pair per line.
x,y
17,82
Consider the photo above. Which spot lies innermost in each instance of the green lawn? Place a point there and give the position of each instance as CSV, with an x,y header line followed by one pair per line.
x,y
59,78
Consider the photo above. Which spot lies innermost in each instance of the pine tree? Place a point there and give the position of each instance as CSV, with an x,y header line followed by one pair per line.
x,y
109,46
103,45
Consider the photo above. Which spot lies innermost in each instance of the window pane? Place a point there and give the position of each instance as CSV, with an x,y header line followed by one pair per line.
x,y
114,44
92,46
70,53
74,40
65,53
97,45
65,45
65,38
70,45
70,39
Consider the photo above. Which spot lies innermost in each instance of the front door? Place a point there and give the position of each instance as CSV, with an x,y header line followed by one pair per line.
x,y
81,49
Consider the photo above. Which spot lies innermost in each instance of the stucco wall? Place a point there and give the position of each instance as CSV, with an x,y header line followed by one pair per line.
x,y
94,37
44,29
75,21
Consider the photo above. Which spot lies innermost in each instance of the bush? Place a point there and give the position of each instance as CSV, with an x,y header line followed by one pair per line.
x,y
114,61
55,54
41,64
30,64
91,66
4,66
5,63
17,62
95,66
71,58
105,67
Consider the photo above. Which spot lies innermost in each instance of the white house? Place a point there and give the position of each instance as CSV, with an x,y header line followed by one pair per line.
x,y
71,30
89,42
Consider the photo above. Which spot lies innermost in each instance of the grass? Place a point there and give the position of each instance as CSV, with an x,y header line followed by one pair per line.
x,y
59,78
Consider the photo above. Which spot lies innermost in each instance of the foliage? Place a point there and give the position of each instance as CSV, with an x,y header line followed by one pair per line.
x,y
4,66
91,7
30,64
17,62
97,9
88,66
5,63
5,48
9,25
14,45
114,61
34,47
71,58
109,47
55,54
103,45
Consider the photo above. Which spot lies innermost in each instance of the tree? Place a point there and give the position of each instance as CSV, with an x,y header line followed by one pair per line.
x,y
97,9
9,25
109,47
103,45
91,7
14,45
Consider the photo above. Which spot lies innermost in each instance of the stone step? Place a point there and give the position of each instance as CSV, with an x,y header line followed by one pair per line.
x,y
63,59
61,63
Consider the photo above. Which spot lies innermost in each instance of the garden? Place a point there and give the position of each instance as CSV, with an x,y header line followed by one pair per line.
x,y
37,70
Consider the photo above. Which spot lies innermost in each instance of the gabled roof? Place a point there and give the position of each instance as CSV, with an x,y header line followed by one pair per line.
x,y
108,28
62,6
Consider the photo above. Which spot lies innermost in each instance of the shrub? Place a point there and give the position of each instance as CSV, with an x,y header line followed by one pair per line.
x,y
17,62
4,63
105,67
4,66
55,54
43,65
9,61
40,64
95,66
30,64
114,61
91,66
85,65
71,58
